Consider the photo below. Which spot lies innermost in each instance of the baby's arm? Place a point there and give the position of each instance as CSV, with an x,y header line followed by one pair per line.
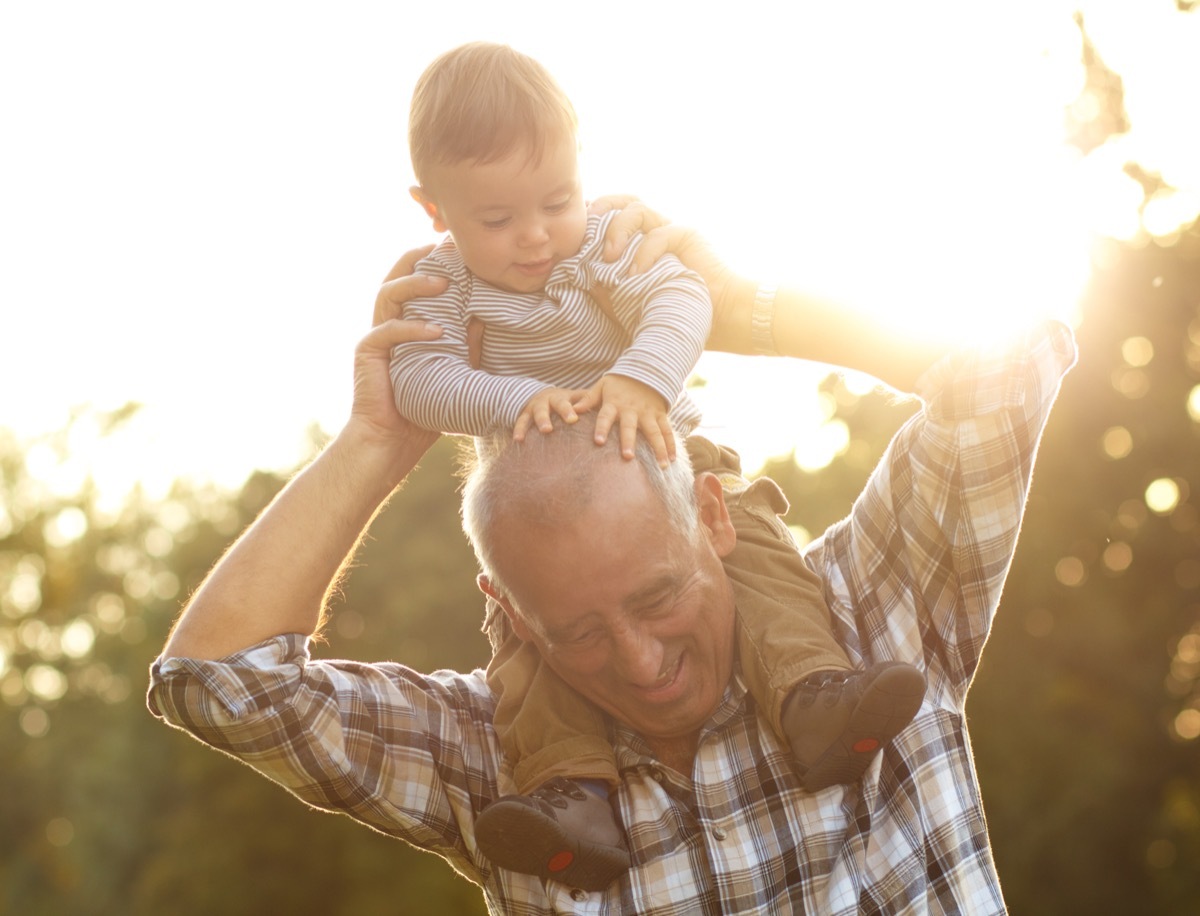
x,y
668,313
436,387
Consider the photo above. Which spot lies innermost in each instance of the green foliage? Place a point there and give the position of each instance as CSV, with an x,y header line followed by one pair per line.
x,y
105,810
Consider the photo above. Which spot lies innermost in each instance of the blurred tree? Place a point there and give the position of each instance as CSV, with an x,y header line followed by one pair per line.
x,y
105,811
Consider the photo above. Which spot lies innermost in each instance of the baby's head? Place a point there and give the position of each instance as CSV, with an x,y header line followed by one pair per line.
x,y
494,148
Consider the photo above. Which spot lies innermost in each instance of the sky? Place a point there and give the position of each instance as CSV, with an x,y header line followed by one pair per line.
x,y
198,201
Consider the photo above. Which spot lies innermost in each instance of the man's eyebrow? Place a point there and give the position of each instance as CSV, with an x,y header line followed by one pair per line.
x,y
560,634
647,594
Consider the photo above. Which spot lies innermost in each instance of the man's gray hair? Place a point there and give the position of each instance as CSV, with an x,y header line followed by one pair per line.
x,y
553,476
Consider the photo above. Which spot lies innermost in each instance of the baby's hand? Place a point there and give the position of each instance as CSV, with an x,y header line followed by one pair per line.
x,y
538,408
633,406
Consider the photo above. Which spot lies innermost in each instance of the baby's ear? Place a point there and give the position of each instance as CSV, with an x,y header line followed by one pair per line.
x,y
428,205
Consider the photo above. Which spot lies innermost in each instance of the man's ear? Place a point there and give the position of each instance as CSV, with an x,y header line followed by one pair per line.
x,y
714,514
429,206
515,620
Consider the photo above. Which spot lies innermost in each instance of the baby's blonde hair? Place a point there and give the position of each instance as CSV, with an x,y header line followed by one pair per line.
x,y
482,101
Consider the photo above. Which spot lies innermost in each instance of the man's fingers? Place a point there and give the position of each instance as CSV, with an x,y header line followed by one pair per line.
x,y
389,301
405,265
634,217
656,243
602,205
383,337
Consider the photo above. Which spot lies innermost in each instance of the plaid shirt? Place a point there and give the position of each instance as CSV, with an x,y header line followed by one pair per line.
x,y
913,573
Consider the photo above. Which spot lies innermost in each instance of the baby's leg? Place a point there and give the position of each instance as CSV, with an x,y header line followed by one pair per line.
x,y
545,728
561,823
833,717
784,631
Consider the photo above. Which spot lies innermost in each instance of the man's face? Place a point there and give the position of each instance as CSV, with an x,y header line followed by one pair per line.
x,y
634,615
513,220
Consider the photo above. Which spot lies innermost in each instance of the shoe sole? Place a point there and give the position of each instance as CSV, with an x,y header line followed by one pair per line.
x,y
887,705
523,839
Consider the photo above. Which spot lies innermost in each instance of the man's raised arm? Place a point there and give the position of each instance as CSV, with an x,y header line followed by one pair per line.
x,y
791,323
276,577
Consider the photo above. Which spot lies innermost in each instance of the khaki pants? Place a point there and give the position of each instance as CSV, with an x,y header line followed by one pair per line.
x,y
783,635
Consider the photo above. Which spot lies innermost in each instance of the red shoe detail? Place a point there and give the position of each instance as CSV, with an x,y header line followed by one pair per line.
x,y
560,860
865,745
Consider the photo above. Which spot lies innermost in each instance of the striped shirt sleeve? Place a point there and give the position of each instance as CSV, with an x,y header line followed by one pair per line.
x,y
433,381
667,312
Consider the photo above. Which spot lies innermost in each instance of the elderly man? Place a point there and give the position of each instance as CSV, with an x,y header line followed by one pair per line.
x,y
614,572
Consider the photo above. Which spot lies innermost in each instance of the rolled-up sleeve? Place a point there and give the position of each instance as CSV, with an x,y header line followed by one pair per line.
x,y
411,755
915,572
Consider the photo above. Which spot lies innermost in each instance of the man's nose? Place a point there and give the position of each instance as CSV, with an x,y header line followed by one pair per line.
x,y
639,656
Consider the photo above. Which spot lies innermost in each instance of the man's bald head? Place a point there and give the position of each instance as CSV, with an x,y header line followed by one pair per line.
x,y
549,479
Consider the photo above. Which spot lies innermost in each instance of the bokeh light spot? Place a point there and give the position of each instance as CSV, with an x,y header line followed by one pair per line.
x,y
1188,649
1117,442
1118,556
34,722
1070,571
1132,383
1162,496
60,832
1137,351
1187,724
1193,404
66,527
46,682
77,639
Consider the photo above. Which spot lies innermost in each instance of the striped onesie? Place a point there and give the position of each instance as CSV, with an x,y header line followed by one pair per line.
x,y
557,338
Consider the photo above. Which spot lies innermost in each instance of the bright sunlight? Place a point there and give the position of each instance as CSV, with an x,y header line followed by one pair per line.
x,y
205,197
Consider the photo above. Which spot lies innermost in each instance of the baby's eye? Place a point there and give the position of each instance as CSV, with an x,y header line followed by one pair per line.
x,y
559,207
495,223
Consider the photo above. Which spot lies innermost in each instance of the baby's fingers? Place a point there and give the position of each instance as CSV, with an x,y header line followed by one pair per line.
x,y
521,427
629,431
604,422
662,446
660,435
561,405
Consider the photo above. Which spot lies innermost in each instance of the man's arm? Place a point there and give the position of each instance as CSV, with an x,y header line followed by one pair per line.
x,y
804,326
275,578
915,572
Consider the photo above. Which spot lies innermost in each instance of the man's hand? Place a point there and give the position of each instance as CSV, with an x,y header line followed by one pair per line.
x,y
537,410
633,406
374,409
732,296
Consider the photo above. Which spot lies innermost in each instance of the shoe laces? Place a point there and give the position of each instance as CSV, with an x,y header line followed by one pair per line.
x,y
826,685
556,791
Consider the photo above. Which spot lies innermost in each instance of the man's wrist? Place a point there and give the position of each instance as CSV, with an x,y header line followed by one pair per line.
x,y
732,317
379,463
762,321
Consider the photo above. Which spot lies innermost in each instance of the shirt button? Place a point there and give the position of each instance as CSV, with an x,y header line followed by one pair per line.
x,y
718,834
656,774
578,895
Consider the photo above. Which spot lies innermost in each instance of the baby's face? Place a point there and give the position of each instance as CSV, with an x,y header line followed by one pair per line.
x,y
513,219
